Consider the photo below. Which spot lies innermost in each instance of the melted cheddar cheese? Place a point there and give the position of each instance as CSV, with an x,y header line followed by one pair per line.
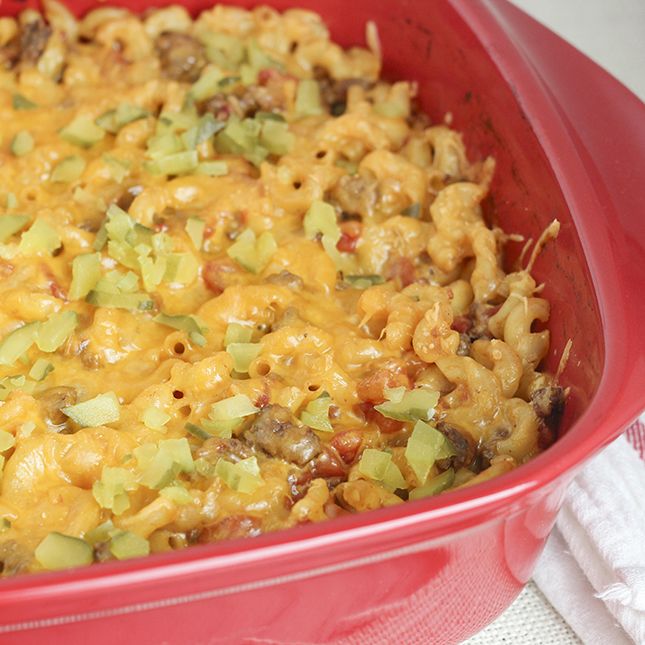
x,y
233,209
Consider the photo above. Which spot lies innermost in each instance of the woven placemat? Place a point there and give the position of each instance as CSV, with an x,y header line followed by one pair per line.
x,y
530,620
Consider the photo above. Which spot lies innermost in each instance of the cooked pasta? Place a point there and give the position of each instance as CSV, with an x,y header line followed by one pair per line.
x,y
246,285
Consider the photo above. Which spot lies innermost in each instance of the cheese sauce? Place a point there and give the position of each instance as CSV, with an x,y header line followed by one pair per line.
x,y
245,285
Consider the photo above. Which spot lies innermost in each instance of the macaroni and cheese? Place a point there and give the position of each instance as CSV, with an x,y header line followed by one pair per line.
x,y
246,285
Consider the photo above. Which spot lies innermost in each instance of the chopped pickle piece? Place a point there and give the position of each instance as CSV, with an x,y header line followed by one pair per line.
x,y
177,494
414,210
178,163
243,477
364,281
308,101
378,465
188,324
233,407
100,533
258,59
113,120
236,333
222,49
22,143
101,238
435,486
321,219
182,268
125,545
40,369
173,122
82,132
89,201
276,138
242,138
226,415
223,429
55,331
118,224
206,127
102,409
159,465
111,491
40,238
11,224
164,145
131,301
195,229
270,116
86,272
11,383
20,102
374,463
198,432
7,440
69,169
154,418
243,355
124,254
409,405
59,551
204,468
152,271
119,168
316,414
251,252
18,343
212,168
206,85
423,449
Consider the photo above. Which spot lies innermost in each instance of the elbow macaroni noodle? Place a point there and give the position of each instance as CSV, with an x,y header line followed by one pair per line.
x,y
235,209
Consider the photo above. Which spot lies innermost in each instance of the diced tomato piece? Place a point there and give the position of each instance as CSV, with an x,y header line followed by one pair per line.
x,y
52,283
57,291
219,274
347,244
6,268
262,401
328,465
350,234
265,75
401,269
370,388
347,444
462,324
272,75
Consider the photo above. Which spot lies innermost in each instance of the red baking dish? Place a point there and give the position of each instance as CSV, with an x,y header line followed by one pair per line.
x,y
569,143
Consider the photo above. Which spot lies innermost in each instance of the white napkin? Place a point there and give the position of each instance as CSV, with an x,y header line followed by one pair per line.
x,y
593,568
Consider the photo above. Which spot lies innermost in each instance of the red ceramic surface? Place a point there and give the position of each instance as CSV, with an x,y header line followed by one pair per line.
x,y
570,143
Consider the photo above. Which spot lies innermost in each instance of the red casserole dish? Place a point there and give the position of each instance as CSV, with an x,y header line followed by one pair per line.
x,y
569,143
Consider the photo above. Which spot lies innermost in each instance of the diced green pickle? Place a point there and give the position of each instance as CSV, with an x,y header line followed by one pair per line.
x,y
59,551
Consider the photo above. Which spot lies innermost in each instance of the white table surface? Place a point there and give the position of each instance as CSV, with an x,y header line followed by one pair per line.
x,y
612,33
